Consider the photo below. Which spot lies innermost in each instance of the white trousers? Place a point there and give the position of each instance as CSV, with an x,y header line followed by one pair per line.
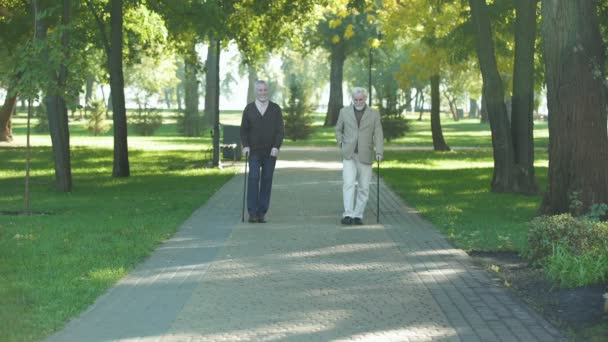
x,y
355,196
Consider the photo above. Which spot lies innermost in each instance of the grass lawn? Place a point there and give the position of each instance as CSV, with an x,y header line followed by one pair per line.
x,y
452,190
54,266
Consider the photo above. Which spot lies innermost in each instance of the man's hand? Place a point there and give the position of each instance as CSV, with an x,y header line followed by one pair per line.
x,y
274,152
246,150
378,157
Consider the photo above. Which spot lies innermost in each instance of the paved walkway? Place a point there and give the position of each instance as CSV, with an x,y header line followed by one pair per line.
x,y
304,277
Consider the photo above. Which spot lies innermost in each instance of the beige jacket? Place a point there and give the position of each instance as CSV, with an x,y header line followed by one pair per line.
x,y
366,136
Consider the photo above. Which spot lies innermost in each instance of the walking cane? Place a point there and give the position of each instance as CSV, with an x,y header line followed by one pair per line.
x,y
378,194
244,187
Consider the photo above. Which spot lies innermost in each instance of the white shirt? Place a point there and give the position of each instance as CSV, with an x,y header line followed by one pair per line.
x,y
261,106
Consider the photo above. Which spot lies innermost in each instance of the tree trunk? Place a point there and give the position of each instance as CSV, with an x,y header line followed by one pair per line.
x,y
483,111
438,141
522,102
178,97
167,92
88,95
191,116
54,100
504,179
252,77
472,108
6,113
117,86
577,102
210,81
336,98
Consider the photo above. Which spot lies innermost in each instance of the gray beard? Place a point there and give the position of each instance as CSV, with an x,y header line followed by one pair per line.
x,y
359,107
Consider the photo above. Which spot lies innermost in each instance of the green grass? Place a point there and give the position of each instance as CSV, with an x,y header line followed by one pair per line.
x,y
452,190
463,133
53,266
570,270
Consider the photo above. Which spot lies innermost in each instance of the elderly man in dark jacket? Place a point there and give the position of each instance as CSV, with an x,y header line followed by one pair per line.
x,y
262,135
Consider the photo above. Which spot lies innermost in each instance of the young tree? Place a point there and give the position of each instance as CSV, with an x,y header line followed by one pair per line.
x,y
577,100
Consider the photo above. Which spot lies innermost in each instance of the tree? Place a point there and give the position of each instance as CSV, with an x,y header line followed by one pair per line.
x,y
113,47
577,100
522,111
15,29
428,25
55,101
117,84
345,28
512,139
6,112
504,178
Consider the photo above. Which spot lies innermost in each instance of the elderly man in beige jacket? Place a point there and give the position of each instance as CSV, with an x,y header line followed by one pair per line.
x,y
357,131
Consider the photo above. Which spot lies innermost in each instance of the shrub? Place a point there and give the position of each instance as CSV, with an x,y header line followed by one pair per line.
x,y
96,123
569,270
394,126
146,122
42,126
576,236
298,122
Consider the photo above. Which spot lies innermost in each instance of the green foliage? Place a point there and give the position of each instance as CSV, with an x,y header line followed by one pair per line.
x,y
568,269
146,121
42,125
595,212
96,123
576,236
394,126
298,122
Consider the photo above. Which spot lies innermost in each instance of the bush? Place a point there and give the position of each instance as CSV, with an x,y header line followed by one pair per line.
x,y
146,122
576,236
42,126
394,126
569,270
298,122
96,123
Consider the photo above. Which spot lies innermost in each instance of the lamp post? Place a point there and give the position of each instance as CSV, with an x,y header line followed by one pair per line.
x,y
369,92
369,82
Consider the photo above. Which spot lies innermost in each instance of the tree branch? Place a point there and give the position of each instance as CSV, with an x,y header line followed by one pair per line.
x,y
102,27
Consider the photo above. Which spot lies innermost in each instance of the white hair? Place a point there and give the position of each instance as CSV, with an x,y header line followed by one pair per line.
x,y
359,90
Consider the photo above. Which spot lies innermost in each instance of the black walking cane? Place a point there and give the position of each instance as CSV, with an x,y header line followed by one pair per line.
x,y
244,187
378,193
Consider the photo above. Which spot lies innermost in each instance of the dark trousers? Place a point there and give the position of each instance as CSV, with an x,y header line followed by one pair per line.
x,y
261,170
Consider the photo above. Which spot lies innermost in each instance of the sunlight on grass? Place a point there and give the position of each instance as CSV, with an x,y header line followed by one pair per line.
x,y
452,190
107,275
